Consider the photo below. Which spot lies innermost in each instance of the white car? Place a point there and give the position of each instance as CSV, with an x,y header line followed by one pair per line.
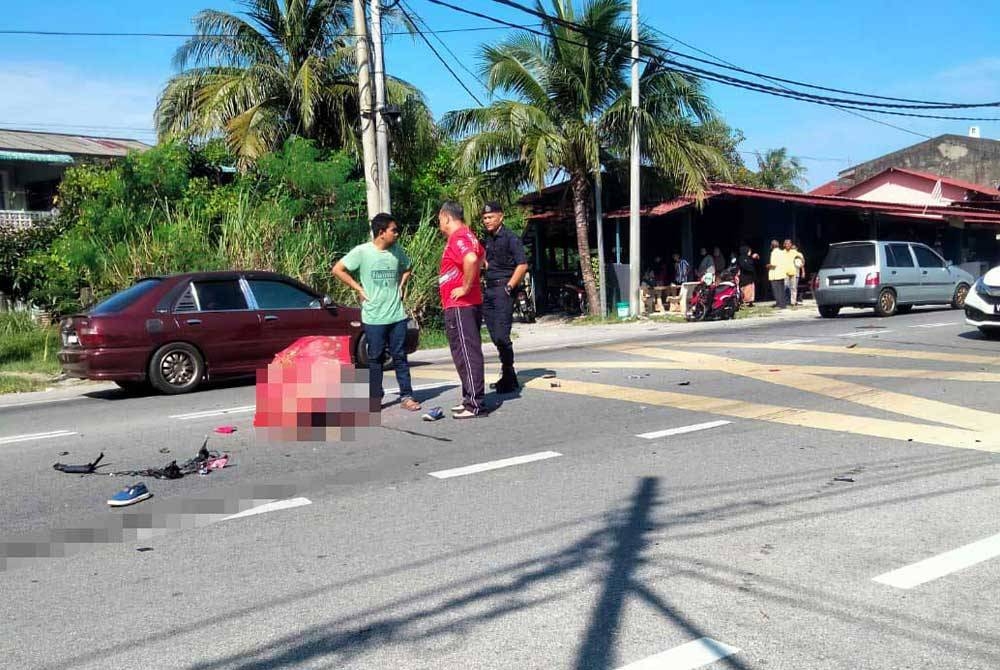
x,y
982,305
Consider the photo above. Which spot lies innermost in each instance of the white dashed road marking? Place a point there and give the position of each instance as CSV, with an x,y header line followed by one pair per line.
x,y
35,436
867,333
936,325
270,507
494,465
943,564
688,656
214,412
682,430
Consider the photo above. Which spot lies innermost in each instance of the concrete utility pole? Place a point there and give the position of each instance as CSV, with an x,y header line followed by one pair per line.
x,y
381,129
634,253
599,211
367,110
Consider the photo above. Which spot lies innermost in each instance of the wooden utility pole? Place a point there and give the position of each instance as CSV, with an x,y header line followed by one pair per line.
x,y
368,142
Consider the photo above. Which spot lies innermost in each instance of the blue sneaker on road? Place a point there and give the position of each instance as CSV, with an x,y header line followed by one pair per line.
x,y
130,496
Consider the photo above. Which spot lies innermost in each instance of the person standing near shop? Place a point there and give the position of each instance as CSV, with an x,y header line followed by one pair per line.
x,y
383,268
462,299
776,274
506,265
747,263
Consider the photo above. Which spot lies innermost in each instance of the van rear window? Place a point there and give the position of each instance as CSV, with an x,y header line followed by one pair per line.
x,y
850,256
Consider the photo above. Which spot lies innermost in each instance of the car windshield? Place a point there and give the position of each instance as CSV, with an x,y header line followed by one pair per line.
x,y
850,256
123,299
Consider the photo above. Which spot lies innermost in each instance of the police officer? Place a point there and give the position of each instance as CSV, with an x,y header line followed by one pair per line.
x,y
506,265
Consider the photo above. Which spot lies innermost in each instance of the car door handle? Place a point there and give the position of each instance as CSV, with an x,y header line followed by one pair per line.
x,y
270,317
925,272
194,322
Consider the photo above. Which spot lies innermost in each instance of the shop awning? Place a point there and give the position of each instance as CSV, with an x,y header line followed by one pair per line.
x,y
35,157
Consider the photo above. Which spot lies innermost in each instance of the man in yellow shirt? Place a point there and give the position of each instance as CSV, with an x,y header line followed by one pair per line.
x,y
777,272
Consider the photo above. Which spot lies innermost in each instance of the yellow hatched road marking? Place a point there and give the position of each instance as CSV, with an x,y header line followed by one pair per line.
x,y
832,349
841,423
888,401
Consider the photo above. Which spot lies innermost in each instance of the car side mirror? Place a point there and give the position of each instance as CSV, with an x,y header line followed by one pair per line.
x,y
328,303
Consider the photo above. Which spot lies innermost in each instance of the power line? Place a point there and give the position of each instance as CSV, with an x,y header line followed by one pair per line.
x,y
846,111
441,58
73,33
705,74
919,104
444,44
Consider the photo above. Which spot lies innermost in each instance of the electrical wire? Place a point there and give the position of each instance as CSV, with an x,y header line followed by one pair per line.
x,y
444,44
720,78
920,104
72,33
441,58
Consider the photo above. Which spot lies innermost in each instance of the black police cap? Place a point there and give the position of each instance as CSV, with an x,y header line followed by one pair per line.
x,y
493,207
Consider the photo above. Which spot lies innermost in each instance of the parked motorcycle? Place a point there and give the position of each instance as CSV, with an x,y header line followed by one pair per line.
x,y
524,302
720,298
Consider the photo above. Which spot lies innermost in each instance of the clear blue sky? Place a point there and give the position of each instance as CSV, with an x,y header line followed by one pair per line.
x,y
913,48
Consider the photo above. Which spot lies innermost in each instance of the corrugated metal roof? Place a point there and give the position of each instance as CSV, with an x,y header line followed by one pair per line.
x,y
75,145
34,156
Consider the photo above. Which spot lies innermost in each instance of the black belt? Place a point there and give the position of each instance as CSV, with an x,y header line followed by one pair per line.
x,y
491,283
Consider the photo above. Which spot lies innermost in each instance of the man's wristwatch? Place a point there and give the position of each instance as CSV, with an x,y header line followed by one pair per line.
x,y
508,288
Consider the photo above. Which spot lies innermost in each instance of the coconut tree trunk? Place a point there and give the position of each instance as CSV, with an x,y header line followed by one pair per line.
x,y
579,186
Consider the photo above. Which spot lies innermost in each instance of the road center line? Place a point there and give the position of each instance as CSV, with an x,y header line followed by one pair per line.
x,y
270,507
36,436
941,565
694,654
682,430
801,341
494,465
214,412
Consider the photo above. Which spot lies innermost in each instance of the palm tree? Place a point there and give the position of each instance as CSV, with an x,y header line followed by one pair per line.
x,y
777,170
281,68
568,111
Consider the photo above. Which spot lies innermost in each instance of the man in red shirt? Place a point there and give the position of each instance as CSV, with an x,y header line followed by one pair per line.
x,y
462,298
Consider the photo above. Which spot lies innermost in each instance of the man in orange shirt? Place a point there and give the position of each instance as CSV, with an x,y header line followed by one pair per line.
x,y
462,298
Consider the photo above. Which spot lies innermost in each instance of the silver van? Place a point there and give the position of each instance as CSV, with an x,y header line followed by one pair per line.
x,y
889,276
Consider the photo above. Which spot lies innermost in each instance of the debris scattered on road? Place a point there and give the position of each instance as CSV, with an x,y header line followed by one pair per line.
x,y
595,372
164,450
64,453
634,377
684,383
843,479
130,495
226,430
144,549
433,414
852,345
775,370
85,469
555,385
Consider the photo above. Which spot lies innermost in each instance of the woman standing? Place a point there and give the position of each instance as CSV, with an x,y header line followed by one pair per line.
x,y
748,275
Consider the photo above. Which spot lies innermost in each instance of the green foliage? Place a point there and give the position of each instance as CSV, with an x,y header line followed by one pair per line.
x,y
777,170
18,244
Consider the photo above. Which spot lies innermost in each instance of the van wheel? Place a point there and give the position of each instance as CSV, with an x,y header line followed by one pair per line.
x,y
886,303
829,311
904,309
961,293
176,368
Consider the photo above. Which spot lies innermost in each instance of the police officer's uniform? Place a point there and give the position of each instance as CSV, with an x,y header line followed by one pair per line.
x,y
504,252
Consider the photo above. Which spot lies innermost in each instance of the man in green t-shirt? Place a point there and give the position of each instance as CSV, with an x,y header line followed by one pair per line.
x,y
383,268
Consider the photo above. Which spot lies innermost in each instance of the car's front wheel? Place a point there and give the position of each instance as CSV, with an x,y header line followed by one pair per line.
x,y
961,293
176,368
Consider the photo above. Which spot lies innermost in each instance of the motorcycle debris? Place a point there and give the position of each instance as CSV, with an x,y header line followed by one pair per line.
x,y
684,383
843,479
226,430
852,345
164,450
144,549
64,453
554,385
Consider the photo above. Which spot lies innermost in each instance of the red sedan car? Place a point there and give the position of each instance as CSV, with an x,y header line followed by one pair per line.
x,y
175,332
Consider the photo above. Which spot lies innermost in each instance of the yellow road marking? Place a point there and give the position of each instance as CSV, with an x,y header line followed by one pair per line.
x,y
888,401
831,349
842,423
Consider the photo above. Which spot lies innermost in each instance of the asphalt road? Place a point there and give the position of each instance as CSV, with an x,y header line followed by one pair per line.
x,y
820,494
